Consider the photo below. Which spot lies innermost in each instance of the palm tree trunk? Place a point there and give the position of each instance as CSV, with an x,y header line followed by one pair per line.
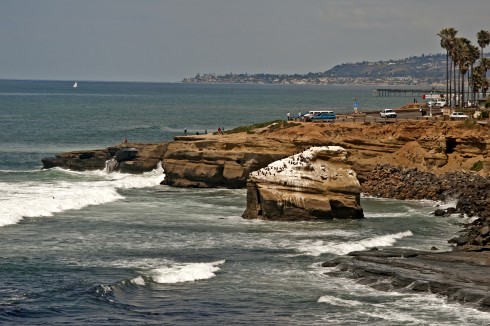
x,y
483,74
447,76
455,85
449,99
462,90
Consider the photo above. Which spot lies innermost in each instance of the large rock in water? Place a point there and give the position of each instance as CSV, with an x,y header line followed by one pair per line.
x,y
315,184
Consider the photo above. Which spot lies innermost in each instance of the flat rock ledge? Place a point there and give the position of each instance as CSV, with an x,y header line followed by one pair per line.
x,y
460,276
313,185
147,158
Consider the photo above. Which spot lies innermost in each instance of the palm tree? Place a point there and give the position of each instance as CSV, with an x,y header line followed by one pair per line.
x,y
473,57
456,55
485,64
463,63
483,41
447,36
478,82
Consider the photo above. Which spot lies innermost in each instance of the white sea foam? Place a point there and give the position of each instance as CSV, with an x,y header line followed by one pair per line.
x,y
339,301
138,280
184,272
34,199
398,308
319,247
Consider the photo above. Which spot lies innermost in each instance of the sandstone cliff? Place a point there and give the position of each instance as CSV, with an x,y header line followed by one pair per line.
x,y
429,146
219,161
227,160
315,184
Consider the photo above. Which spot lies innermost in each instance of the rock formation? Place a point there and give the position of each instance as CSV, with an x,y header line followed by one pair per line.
x,y
429,146
315,184
227,160
149,155
460,276
218,161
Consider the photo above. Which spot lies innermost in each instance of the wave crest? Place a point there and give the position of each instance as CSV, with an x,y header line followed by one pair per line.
x,y
75,190
188,272
319,247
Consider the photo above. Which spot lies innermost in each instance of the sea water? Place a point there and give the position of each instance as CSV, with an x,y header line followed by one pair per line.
x,y
110,248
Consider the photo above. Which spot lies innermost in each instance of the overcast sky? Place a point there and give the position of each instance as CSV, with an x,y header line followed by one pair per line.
x,y
167,40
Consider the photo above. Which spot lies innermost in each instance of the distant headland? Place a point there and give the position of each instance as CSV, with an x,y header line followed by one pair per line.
x,y
415,70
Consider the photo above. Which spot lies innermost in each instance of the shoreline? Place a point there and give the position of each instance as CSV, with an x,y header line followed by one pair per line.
x,y
407,160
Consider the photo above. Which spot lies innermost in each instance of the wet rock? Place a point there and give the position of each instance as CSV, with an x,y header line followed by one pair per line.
x,y
460,276
485,230
144,158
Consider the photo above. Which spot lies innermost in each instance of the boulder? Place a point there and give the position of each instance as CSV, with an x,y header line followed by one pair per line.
x,y
315,184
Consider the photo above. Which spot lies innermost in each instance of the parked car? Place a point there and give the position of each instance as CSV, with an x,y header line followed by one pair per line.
x,y
458,116
307,116
437,103
387,113
324,115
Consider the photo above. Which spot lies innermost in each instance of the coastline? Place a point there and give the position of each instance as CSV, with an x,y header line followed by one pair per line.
x,y
382,155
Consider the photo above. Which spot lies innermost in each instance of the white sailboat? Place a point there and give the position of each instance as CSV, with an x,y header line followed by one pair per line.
x,y
75,85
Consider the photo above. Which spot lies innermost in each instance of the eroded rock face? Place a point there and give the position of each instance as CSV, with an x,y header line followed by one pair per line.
x,y
315,184
203,162
147,158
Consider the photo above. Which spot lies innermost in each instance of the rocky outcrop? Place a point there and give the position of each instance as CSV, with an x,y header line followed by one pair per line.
x,y
79,160
471,191
474,200
226,161
216,161
409,183
315,184
462,277
147,158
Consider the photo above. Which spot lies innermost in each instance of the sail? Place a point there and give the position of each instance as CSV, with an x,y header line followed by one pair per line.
x,y
75,85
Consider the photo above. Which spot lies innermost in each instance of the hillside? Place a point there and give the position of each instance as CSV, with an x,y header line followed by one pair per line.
x,y
415,70
431,67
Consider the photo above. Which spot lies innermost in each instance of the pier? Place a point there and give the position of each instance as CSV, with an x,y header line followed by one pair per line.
x,y
406,92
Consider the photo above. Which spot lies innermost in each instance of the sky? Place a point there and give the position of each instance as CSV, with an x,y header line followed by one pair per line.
x,y
168,40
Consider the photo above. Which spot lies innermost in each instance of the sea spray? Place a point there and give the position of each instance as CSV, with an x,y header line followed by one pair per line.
x,y
75,191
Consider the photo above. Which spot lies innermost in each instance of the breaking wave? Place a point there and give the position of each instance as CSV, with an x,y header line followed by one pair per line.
x,y
71,190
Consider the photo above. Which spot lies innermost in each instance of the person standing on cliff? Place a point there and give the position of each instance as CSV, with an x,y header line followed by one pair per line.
x,y
219,130
289,116
185,131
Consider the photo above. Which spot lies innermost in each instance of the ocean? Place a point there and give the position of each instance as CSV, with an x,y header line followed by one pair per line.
x,y
104,248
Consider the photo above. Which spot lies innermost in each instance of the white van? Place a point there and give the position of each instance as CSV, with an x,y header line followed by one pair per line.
x,y
308,115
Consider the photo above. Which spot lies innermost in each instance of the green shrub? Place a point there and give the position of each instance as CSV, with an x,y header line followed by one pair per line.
x,y
470,124
477,166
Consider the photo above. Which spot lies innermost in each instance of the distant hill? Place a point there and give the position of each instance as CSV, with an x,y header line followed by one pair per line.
x,y
415,70
425,66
